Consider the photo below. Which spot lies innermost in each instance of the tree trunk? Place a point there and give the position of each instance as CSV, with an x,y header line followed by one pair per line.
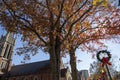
x,y
54,51
73,64
53,64
52,57
57,51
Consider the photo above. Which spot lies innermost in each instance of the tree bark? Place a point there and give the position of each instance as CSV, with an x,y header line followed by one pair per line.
x,y
53,63
52,57
73,64
54,51
57,51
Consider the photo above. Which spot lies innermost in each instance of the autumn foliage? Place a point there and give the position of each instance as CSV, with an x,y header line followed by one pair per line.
x,y
56,26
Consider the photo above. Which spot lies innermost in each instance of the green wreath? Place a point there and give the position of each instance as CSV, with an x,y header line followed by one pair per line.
x,y
103,51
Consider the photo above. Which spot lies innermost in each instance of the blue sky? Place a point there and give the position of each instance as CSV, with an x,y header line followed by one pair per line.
x,y
86,58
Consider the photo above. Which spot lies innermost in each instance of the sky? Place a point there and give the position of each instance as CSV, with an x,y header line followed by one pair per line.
x,y
86,58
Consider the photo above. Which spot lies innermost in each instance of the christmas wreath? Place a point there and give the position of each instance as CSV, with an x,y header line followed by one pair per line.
x,y
104,59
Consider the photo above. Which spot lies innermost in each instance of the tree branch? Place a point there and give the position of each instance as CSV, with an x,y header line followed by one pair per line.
x,y
51,14
40,3
60,12
73,14
70,29
16,17
82,15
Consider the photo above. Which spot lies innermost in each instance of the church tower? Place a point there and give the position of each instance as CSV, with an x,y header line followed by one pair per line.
x,y
6,52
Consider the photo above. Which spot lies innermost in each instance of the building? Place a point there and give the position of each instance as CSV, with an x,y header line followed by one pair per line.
x,y
83,75
6,52
31,71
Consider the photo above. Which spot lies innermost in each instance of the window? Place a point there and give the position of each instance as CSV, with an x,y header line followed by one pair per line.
x,y
6,65
5,51
1,47
1,65
9,53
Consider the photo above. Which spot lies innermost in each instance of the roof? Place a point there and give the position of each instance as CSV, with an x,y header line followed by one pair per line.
x,y
30,68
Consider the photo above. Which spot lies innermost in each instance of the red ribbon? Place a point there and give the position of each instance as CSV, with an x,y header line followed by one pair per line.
x,y
103,76
105,61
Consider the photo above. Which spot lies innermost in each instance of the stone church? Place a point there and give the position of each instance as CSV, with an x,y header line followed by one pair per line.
x,y
30,71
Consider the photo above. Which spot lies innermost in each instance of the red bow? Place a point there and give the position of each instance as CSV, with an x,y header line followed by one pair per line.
x,y
103,76
105,60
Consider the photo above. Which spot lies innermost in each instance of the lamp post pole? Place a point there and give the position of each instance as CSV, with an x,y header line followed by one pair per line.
x,y
108,72
105,60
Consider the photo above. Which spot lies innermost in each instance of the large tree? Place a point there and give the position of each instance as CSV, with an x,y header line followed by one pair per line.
x,y
42,24
88,32
55,26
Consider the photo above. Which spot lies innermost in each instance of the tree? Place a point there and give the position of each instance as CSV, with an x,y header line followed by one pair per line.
x,y
88,33
56,26
42,24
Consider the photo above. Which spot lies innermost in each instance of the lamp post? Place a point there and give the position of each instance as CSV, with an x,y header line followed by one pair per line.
x,y
105,60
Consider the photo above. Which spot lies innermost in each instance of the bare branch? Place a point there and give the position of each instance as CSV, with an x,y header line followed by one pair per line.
x,y
82,15
73,14
60,12
51,14
70,29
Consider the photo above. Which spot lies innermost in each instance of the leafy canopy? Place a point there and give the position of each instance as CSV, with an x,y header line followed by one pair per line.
x,y
75,22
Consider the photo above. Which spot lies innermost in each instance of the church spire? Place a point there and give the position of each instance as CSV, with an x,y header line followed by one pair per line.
x,y
6,50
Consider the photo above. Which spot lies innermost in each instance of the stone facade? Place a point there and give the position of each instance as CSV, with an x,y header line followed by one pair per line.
x,y
6,52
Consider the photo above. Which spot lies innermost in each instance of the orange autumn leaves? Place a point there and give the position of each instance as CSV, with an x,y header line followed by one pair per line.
x,y
102,2
42,17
